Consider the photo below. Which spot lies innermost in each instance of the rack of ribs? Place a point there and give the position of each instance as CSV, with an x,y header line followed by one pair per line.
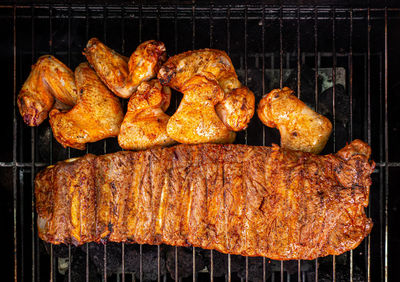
x,y
237,199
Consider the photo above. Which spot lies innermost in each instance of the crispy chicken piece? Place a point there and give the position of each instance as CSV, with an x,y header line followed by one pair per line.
x,y
96,115
195,121
237,107
300,127
50,84
145,123
121,76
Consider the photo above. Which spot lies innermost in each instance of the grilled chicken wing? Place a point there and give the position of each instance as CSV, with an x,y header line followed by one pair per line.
x,y
145,123
300,127
195,121
237,107
50,84
119,74
96,115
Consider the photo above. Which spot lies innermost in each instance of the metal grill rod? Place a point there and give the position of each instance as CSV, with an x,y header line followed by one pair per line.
x,y
368,126
298,95
316,62
263,92
386,149
350,63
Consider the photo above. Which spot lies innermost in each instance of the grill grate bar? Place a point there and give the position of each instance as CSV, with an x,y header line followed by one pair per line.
x,y
158,264
334,78
245,81
176,264
298,95
316,61
334,113
35,241
52,274
211,25
381,171
87,262
140,22
229,268
158,22
350,63
369,127
386,148
69,263
52,259
298,55
194,47
281,77
21,225
141,262
194,263
211,266
28,165
316,67
228,30
263,93
193,25
280,49
124,103
228,51
105,263
123,261
176,35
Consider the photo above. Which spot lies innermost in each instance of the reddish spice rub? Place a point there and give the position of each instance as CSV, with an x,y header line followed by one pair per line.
x,y
237,199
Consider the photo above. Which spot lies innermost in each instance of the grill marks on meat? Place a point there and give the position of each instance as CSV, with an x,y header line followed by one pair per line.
x,y
238,199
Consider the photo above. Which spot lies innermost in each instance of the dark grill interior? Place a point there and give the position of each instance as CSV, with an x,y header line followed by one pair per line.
x,y
341,61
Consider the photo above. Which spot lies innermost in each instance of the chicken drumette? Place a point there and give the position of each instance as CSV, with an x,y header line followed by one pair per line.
x,y
123,75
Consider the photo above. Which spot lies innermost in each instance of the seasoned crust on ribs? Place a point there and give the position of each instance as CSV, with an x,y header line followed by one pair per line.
x,y
237,199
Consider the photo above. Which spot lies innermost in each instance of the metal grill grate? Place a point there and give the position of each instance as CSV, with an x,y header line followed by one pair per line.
x,y
322,50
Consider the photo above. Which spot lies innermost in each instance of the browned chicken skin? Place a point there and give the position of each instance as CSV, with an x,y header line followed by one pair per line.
x,y
195,121
50,84
237,106
96,115
300,127
121,76
145,122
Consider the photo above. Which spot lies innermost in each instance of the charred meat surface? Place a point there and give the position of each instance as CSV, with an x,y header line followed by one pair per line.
x,y
237,199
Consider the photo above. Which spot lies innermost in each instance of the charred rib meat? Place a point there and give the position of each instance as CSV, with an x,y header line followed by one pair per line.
x,y
237,199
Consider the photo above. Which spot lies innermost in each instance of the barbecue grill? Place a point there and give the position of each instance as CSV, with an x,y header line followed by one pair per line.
x,y
341,59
